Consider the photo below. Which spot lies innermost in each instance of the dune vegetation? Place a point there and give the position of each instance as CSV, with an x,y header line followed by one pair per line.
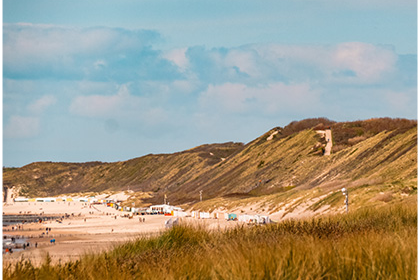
x,y
368,243
376,151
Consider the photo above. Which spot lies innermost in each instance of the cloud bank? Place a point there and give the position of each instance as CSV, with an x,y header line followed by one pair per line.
x,y
125,81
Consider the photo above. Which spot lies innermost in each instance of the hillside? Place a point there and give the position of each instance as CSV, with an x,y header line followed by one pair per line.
x,y
147,173
376,152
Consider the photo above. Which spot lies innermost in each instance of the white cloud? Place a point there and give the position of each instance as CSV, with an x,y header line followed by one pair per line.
x,y
369,63
349,63
104,105
99,64
122,106
40,105
21,127
38,51
266,100
352,63
47,40
178,57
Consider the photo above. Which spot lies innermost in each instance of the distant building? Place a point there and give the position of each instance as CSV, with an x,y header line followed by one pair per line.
x,y
163,208
328,138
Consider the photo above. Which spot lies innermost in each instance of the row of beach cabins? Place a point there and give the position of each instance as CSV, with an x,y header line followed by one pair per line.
x,y
254,219
170,210
163,209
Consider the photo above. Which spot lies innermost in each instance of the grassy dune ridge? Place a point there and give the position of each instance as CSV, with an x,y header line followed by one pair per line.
x,y
370,243
283,160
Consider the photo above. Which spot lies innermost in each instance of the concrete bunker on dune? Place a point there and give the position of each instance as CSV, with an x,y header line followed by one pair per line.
x,y
326,133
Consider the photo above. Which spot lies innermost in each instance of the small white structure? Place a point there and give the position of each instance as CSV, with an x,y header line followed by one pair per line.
x,y
204,215
21,199
180,214
328,137
200,215
163,209
93,200
254,219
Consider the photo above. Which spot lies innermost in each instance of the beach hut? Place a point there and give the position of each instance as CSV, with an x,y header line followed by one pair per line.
x,y
254,219
21,199
247,218
59,199
204,215
179,214
232,217
31,200
69,199
262,219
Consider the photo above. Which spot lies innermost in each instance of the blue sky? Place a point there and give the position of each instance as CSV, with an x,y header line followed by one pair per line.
x,y
113,80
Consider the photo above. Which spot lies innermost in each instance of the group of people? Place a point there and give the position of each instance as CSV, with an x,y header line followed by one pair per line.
x,y
18,227
47,230
24,246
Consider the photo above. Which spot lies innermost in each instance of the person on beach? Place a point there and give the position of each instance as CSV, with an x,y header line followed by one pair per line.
x,y
36,244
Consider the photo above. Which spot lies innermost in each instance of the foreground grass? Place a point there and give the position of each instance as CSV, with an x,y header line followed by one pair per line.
x,y
368,244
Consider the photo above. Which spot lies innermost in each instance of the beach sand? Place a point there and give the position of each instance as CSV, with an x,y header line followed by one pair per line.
x,y
92,229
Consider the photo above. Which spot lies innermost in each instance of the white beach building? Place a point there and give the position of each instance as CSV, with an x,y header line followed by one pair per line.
x,y
163,209
254,219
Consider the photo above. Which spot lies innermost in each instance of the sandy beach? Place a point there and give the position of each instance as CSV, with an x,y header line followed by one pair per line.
x,y
89,229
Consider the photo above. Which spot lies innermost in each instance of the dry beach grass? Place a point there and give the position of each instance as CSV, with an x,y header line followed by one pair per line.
x,y
370,243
